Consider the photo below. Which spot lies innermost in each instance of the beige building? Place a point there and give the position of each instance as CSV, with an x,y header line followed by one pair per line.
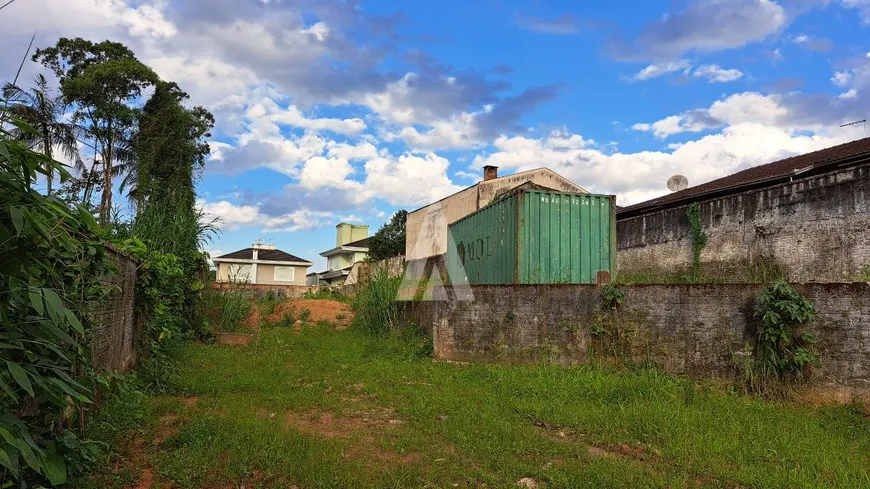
x,y
351,246
261,264
427,226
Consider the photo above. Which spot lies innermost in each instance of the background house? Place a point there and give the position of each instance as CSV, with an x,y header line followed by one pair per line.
x,y
427,226
261,264
351,246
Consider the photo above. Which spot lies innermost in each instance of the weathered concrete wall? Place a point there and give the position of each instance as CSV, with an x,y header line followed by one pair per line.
x,y
426,228
362,271
117,328
817,229
699,330
257,290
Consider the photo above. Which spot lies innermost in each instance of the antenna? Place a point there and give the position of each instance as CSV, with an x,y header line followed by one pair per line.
x,y
677,183
862,121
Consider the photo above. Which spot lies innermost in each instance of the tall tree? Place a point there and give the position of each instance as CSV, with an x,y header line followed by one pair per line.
x,y
389,241
44,111
103,81
170,146
169,151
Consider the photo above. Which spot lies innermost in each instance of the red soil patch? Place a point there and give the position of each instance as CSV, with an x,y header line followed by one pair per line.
x,y
367,449
168,428
233,339
253,321
333,312
328,425
833,396
146,479
359,429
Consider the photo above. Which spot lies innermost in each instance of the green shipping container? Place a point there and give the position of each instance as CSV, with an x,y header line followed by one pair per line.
x,y
533,236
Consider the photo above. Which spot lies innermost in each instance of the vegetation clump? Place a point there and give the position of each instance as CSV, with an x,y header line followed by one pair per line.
x,y
783,352
55,260
699,237
376,309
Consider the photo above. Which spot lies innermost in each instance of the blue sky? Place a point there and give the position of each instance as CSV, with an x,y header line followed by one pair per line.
x,y
333,111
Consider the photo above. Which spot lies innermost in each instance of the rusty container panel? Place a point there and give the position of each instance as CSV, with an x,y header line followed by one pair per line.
x,y
481,247
565,237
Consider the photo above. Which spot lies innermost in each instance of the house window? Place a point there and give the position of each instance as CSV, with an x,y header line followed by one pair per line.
x,y
240,273
285,274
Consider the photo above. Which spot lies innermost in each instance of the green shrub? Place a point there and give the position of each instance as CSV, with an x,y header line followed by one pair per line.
x,y
304,315
783,353
375,307
613,296
53,259
225,309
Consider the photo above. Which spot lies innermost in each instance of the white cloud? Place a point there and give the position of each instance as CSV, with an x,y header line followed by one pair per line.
x,y
409,179
635,177
715,74
841,78
86,17
396,104
852,93
863,7
360,151
300,220
656,70
281,154
291,116
749,107
670,125
207,79
457,133
230,216
327,172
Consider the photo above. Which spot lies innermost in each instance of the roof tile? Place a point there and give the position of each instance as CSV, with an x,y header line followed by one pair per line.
x,y
263,255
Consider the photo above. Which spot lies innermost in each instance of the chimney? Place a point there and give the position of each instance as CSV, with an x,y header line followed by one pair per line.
x,y
490,172
259,245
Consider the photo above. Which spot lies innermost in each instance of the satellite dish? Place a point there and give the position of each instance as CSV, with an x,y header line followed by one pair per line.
x,y
677,183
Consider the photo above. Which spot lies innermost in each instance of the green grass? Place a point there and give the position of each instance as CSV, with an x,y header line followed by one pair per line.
x,y
460,425
226,309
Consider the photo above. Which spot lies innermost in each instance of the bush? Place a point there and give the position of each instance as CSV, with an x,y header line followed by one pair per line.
x,y
783,353
53,259
225,309
375,307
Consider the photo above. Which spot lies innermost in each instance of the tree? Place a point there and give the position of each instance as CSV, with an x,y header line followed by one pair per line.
x,y
102,81
169,147
389,241
44,111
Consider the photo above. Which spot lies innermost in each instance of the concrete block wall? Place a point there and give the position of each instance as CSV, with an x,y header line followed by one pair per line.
x,y
697,330
116,328
816,228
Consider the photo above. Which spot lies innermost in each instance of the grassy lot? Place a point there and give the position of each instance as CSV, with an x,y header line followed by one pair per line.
x,y
341,409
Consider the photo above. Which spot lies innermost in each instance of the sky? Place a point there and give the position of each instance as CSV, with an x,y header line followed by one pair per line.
x,y
346,111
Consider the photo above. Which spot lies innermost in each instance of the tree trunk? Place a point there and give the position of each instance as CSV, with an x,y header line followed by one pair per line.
x,y
46,142
106,203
